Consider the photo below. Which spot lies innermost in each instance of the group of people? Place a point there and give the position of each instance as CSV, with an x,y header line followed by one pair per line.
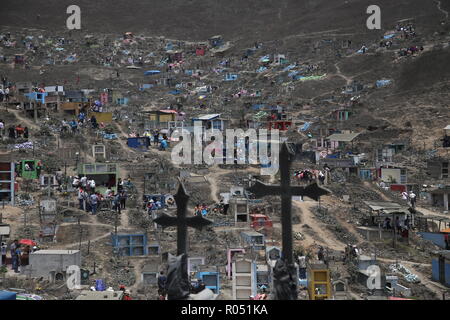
x,y
401,227
4,94
14,132
201,210
410,51
410,198
309,176
19,254
90,201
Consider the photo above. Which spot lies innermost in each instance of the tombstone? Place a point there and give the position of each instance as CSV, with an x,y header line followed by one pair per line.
x,y
211,279
262,275
230,256
153,249
253,239
244,279
48,205
98,150
340,290
319,283
273,253
194,264
239,208
52,264
149,274
48,179
130,244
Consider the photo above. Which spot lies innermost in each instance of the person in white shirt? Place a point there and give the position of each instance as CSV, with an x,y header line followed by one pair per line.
x,y
83,181
92,185
412,198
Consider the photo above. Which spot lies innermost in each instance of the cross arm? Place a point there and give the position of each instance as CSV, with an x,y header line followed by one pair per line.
x,y
165,220
312,191
198,222
260,189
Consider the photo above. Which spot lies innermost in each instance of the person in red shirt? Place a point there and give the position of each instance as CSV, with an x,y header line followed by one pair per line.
x,y
127,295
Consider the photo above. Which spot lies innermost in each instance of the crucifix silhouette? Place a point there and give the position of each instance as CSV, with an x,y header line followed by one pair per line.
x,y
178,286
181,221
285,280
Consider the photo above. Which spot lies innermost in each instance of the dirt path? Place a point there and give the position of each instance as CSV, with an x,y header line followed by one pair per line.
x,y
324,236
426,212
438,5
28,123
428,283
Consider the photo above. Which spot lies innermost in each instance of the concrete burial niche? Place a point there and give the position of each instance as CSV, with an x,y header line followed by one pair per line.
x,y
130,244
48,205
7,179
194,264
244,279
239,208
52,264
149,274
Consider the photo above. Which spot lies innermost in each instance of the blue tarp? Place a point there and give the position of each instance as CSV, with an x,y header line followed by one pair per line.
x,y
305,126
289,67
389,36
261,69
175,92
383,83
151,72
293,73
7,295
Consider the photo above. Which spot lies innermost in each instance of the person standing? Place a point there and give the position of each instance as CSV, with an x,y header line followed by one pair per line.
x,y
81,198
94,202
4,250
123,199
162,280
412,197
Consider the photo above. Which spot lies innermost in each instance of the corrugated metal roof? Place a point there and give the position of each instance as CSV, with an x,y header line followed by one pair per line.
x,y
343,137
208,116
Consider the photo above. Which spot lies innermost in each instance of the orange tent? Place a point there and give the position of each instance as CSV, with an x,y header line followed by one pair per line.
x,y
446,230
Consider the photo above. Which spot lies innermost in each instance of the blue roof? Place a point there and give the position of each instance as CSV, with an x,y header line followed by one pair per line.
x,y
7,295
151,72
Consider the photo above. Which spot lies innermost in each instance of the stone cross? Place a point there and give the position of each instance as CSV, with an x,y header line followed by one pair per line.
x,y
180,221
286,192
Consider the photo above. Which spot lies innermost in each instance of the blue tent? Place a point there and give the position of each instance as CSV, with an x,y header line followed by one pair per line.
x,y
7,295
151,72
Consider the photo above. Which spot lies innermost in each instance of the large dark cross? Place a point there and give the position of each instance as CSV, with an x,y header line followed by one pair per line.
x,y
181,221
312,191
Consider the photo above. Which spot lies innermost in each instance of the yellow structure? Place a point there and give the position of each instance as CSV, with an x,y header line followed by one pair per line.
x,y
105,117
319,283
163,116
74,107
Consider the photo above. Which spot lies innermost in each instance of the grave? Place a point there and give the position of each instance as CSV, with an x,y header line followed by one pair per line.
x,y
153,249
239,208
244,279
52,264
230,256
319,284
194,264
130,245
211,279
340,290
253,239
263,275
48,180
98,150
149,274
7,178
104,174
